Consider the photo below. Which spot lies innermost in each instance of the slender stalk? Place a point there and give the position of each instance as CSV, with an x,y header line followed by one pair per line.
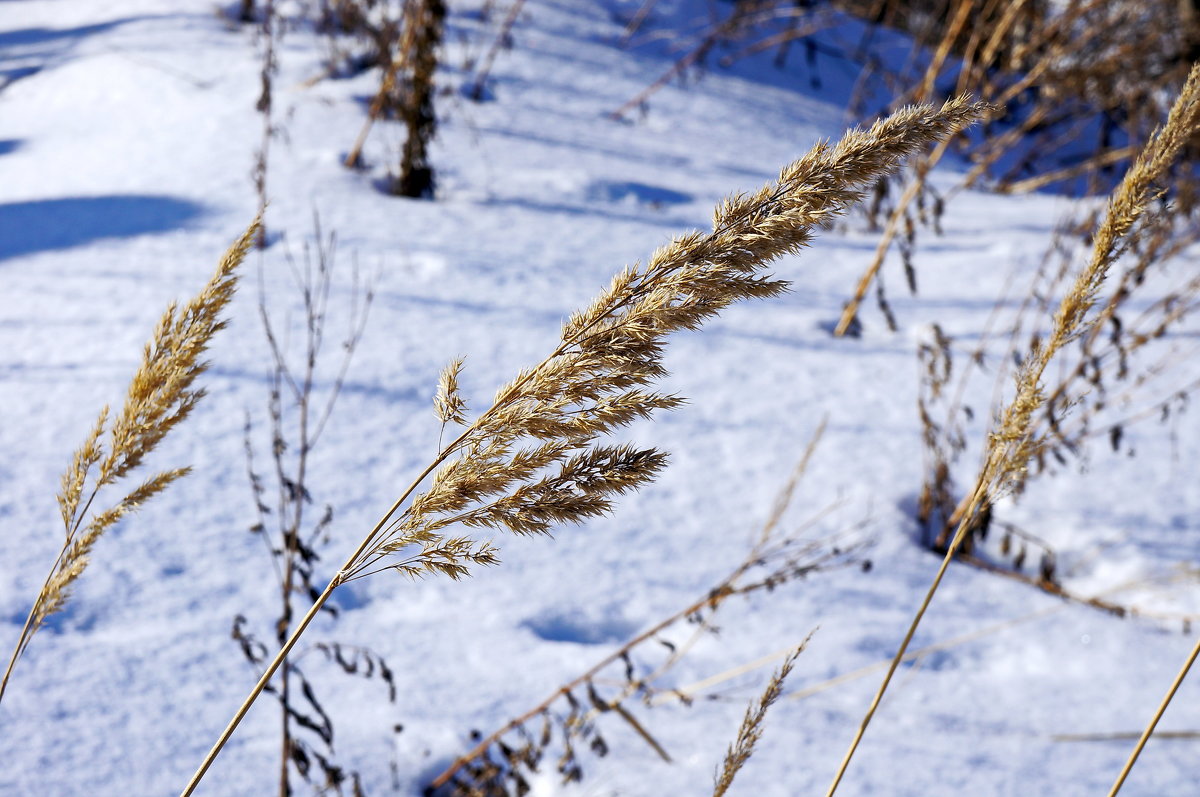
x,y
959,535
885,240
27,629
1137,750
258,688
315,609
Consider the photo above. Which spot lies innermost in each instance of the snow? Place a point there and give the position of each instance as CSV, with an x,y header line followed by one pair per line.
x,y
127,133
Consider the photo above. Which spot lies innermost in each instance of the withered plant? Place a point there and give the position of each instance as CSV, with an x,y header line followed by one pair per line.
x,y
751,729
502,40
422,38
268,33
1015,440
536,457
574,717
408,57
1120,374
1083,82
385,36
161,395
299,411
720,31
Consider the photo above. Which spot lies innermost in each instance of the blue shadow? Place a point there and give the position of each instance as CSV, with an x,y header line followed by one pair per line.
x,y
652,195
46,224
27,51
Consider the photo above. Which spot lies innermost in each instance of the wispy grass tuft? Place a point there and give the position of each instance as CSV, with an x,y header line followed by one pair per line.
x,y
535,458
751,729
160,396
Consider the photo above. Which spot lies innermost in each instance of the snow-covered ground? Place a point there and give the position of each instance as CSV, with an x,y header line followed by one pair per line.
x,y
127,130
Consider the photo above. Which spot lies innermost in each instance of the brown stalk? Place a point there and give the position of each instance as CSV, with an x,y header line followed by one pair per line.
x,y
1012,446
1162,707
612,345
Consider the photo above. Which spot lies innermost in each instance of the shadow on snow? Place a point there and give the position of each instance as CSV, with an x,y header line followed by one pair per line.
x,y
46,224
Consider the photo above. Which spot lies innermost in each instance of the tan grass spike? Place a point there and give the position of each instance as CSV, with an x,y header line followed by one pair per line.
x,y
1013,445
535,459
160,396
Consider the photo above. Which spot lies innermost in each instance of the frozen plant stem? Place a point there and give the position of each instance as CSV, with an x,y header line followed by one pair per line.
x,y
533,459
1013,445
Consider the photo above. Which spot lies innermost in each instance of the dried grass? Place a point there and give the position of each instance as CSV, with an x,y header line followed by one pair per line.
x,y
569,720
1162,707
1013,445
533,460
751,729
161,396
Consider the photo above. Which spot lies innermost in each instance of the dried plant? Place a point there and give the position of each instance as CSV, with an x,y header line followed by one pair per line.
x,y
532,459
1063,72
388,47
269,31
1014,443
1162,707
423,22
1083,82
741,20
407,51
502,40
1110,380
298,417
570,719
161,395
751,729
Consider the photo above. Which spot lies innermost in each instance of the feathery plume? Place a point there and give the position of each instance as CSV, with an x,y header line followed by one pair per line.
x,y
531,461
751,729
160,396
1014,444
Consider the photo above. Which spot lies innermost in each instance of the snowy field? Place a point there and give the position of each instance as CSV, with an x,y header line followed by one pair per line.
x,y
127,135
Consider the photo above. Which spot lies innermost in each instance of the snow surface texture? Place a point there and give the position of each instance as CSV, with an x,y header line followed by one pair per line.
x,y
126,136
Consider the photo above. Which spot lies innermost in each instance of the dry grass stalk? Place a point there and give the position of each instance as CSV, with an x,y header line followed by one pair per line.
x,y
270,32
751,729
160,396
1109,368
532,460
1162,707
299,412
503,39
386,39
423,22
743,16
1013,445
500,761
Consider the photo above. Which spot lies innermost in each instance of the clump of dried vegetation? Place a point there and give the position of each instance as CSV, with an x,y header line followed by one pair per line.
x,y
1083,85
1016,439
1074,112
573,718
405,45
536,457
299,412
161,395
